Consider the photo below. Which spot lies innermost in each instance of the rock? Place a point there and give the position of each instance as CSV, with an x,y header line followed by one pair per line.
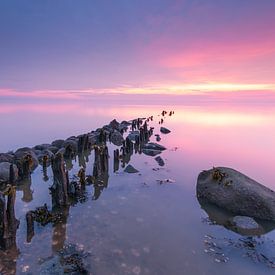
x,y
158,138
160,161
6,157
42,147
237,193
93,137
37,152
114,124
151,152
126,123
154,146
61,151
130,169
72,138
246,224
164,130
117,138
5,172
53,149
132,135
70,144
24,152
58,143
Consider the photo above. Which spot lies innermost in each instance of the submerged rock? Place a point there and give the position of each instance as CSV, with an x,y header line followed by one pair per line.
x,y
130,169
164,130
246,224
235,192
160,161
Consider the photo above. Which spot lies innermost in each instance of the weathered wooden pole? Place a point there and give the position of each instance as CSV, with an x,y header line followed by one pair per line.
x,y
30,226
59,189
116,160
8,221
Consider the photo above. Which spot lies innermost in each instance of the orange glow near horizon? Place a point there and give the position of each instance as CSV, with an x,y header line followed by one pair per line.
x,y
174,89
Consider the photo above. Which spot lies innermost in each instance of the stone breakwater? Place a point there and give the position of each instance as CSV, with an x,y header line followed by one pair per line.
x,y
130,137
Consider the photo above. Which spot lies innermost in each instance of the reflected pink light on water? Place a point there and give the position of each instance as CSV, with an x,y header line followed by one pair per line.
x,y
38,108
239,136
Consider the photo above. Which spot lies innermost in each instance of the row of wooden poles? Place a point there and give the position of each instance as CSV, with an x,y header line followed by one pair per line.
x,y
63,190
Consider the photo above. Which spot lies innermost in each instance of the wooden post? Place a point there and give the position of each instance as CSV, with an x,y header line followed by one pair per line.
x,y
60,185
30,226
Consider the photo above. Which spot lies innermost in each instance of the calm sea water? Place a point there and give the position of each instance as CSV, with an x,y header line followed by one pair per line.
x,y
138,226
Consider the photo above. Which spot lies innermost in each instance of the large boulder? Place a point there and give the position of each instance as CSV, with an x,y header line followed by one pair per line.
x,y
5,172
236,192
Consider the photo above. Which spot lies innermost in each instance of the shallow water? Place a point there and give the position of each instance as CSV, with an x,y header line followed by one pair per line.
x,y
138,226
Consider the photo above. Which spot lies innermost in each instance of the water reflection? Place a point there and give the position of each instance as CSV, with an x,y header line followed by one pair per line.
x,y
8,227
67,189
219,216
241,143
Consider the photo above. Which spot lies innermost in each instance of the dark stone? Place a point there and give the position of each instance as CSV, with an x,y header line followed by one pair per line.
x,y
42,147
58,143
158,138
117,138
130,169
237,193
133,135
160,161
164,130
26,161
114,124
154,146
53,149
5,172
151,152
6,157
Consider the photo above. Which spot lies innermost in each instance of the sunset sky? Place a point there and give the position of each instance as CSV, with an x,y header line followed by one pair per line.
x,y
136,46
